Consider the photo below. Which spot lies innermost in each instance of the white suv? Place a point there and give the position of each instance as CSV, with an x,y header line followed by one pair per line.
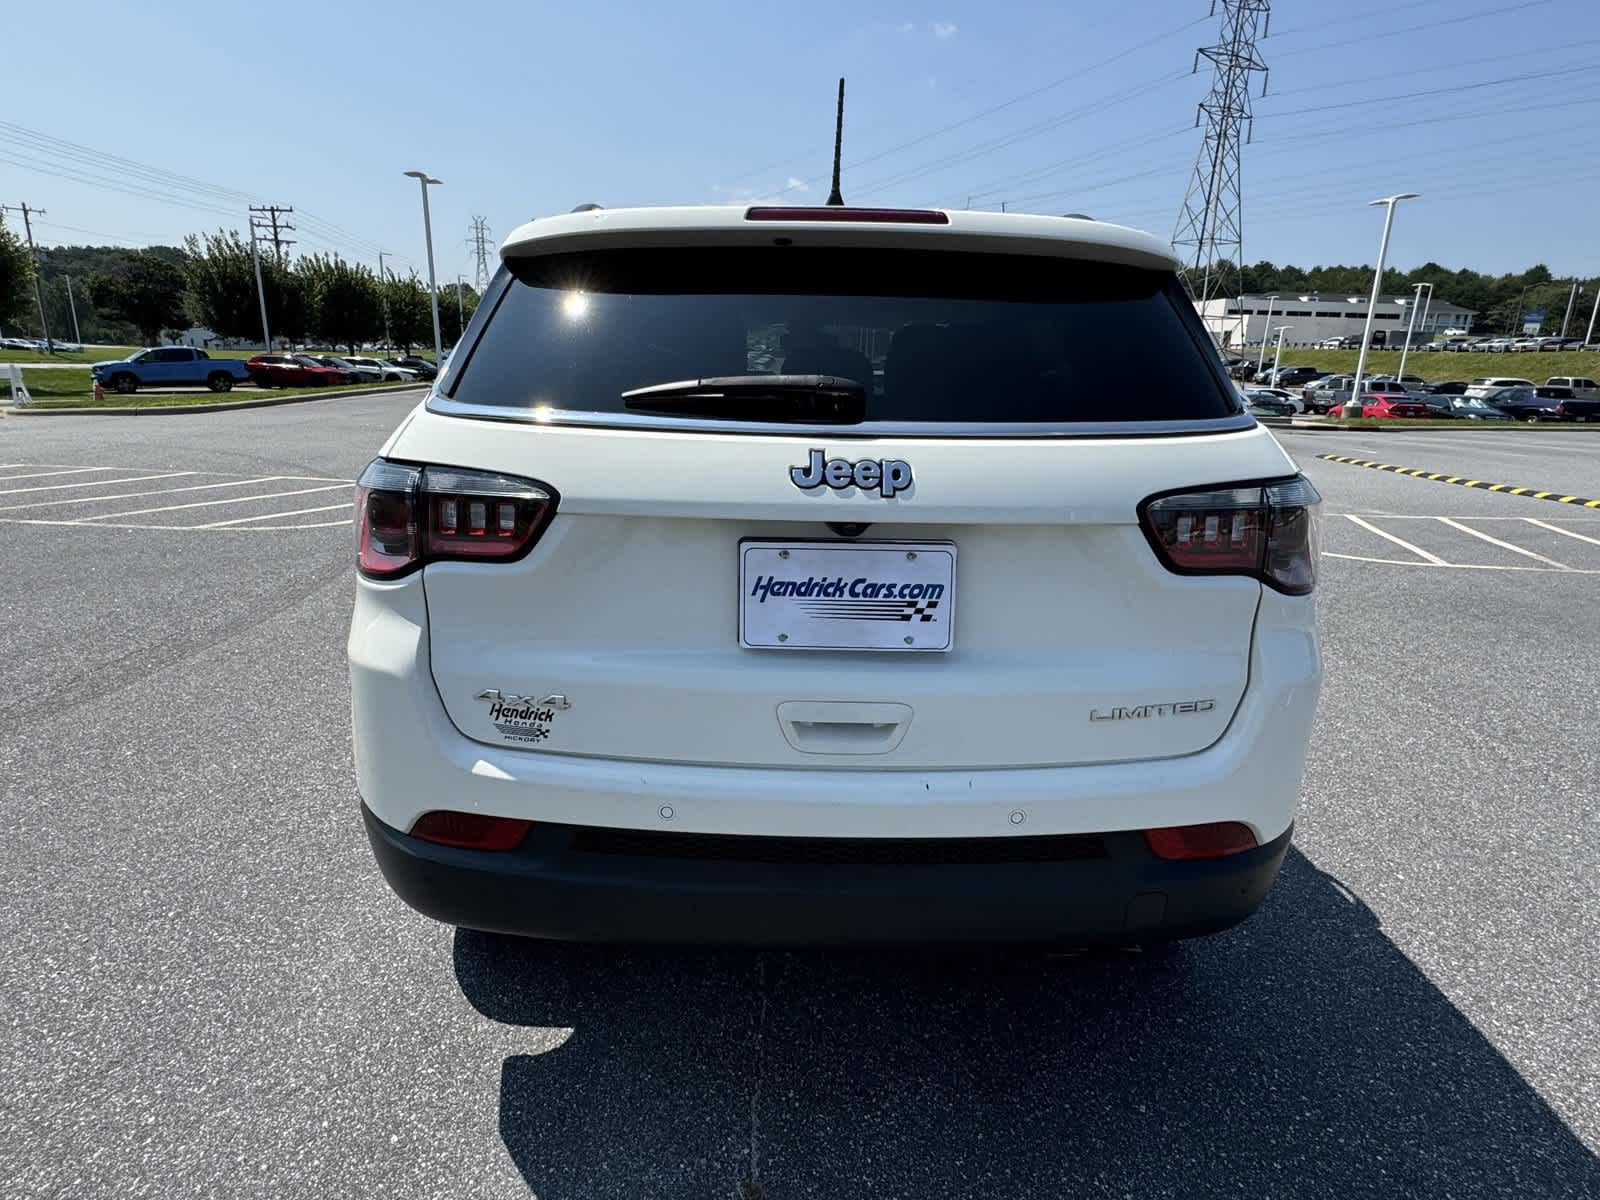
x,y
819,575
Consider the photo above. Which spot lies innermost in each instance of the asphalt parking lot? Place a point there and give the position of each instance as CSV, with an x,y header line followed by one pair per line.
x,y
209,991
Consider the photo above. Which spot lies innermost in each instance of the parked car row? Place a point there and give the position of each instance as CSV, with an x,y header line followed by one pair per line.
x,y
1497,397
314,370
1503,345
40,345
185,366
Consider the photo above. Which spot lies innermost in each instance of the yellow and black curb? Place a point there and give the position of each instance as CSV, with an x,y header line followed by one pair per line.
x,y
1462,481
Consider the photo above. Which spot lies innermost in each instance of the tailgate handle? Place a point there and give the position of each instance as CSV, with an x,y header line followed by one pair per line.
x,y
843,726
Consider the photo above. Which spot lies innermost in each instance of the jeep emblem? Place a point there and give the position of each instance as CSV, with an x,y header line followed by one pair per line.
x,y
884,475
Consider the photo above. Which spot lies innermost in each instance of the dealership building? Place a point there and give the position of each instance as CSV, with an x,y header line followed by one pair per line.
x,y
1246,320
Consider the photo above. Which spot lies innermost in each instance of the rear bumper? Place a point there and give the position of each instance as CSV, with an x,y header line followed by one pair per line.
x,y
575,884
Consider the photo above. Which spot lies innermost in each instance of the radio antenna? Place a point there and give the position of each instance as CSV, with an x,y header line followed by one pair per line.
x,y
834,198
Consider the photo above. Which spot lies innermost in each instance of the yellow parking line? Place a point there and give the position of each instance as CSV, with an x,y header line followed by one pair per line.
x,y
1438,477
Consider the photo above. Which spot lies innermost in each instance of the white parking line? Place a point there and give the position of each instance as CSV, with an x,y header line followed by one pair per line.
x,y
47,474
139,512
57,487
1406,562
1434,559
199,487
299,512
1582,537
192,528
1503,545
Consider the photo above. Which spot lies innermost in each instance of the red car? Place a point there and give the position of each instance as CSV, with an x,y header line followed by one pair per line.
x,y
1377,404
291,370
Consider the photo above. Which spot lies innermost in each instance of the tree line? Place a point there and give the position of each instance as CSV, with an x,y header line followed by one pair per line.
x,y
123,295
1499,300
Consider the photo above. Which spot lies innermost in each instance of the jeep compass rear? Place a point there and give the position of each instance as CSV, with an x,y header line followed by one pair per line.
x,y
819,576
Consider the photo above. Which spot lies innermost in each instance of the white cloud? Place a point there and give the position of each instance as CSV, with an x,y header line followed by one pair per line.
x,y
907,27
944,29
795,184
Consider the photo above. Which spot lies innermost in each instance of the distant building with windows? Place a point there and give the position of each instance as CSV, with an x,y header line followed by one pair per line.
x,y
1313,318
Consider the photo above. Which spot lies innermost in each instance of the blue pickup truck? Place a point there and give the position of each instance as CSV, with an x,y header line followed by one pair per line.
x,y
169,366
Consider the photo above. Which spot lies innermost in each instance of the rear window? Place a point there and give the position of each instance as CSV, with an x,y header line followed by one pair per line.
x,y
931,336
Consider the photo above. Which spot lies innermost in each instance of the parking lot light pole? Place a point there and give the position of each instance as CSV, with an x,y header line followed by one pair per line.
x,y
423,178
1277,355
1262,357
1593,313
1405,347
1428,308
1352,407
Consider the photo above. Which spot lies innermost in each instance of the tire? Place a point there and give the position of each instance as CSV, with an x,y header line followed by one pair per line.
x,y
124,384
219,381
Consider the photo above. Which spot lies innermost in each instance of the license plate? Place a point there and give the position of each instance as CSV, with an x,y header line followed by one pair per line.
x,y
860,596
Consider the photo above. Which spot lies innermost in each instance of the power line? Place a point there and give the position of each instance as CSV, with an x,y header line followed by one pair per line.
x,y
1388,34
990,111
1444,91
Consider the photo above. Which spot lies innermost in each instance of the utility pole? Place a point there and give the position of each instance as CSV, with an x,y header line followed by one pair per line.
x,y
383,294
461,315
1210,226
33,253
73,305
480,245
278,227
261,294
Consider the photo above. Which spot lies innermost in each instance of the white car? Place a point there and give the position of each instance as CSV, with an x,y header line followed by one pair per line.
x,y
1485,384
385,371
938,632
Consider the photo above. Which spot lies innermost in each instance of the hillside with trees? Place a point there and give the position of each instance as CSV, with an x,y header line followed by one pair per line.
x,y
1499,300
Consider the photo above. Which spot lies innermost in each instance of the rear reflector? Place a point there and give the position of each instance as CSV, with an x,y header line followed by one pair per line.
x,y
879,216
470,831
1214,840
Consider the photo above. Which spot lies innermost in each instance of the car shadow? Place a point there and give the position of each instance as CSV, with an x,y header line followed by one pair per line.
x,y
1301,1054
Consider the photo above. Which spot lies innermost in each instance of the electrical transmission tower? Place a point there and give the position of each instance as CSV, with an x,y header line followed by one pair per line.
x,y
481,251
271,222
1210,229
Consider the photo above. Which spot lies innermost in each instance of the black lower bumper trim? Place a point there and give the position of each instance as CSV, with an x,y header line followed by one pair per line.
x,y
555,887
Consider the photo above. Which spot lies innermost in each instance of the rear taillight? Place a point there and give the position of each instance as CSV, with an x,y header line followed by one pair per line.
x,y
1267,531
407,516
1215,839
470,831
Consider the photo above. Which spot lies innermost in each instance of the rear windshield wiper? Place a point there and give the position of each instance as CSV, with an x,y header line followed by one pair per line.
x,y
803,399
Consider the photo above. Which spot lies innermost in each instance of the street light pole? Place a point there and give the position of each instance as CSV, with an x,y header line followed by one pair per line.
x,y
1266,325
1352,406
461,317
1572,297
1405,349
423,178
1428,308
1277,355
383,292
1593,313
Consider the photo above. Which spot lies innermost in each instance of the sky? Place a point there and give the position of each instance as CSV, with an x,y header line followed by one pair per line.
x,y
1486,107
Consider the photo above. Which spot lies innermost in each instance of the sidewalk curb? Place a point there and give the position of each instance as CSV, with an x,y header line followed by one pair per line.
x,y
189,409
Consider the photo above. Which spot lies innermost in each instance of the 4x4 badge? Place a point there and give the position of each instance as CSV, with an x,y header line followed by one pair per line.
x,y
883,475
